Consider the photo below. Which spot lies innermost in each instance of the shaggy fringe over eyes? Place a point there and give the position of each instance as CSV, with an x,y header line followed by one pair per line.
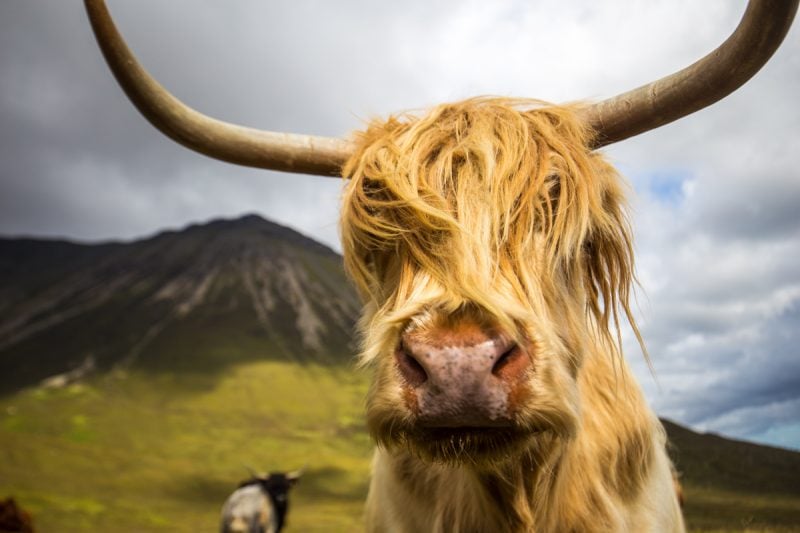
x,y
498,202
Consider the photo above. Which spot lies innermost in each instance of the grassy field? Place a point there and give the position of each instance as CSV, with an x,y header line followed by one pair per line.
x,y
135,453
716,510
154,452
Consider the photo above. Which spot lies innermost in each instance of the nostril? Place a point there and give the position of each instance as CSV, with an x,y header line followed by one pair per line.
x,y
503,360
410,368
511,364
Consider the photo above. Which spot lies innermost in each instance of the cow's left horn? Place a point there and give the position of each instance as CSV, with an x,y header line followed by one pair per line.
x,y
236,144
760,32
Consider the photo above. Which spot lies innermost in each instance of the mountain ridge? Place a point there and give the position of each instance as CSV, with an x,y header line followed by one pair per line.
x,y
231,222
134,303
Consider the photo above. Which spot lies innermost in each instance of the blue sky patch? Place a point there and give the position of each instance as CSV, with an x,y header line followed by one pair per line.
x,y
665,185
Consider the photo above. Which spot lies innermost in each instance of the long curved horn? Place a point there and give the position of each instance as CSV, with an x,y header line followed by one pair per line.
x,y
760,32
236,144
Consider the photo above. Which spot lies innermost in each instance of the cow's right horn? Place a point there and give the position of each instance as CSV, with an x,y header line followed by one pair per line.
x,y
760,32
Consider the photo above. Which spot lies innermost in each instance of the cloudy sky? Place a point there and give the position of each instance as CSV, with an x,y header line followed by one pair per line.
x,y
717,195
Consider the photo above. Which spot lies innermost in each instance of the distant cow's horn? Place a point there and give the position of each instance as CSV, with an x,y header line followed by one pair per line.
x,y
295,475
760,32
214,138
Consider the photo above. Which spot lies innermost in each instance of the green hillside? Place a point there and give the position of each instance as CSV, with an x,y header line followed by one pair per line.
x,y
138,380
136,452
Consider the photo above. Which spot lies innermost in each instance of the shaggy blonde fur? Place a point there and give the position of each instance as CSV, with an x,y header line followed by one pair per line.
x,y
496,212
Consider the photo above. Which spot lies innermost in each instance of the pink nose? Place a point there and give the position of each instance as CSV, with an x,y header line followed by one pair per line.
x,y
462,382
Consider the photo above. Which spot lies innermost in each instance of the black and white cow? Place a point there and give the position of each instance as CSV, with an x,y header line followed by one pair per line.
x,y
260,504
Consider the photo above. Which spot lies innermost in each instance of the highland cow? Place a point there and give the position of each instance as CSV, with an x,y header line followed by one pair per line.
x,y
490,244
493,250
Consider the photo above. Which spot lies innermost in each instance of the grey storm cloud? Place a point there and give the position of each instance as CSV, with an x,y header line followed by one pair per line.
x,y
716,199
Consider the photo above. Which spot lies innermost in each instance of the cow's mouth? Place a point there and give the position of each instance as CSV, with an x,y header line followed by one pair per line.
x,y
463,445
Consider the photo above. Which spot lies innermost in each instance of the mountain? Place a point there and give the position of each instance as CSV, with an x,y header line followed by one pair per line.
x,y
190,301
707,459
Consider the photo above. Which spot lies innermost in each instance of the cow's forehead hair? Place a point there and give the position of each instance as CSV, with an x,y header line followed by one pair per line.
x,y
497,202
